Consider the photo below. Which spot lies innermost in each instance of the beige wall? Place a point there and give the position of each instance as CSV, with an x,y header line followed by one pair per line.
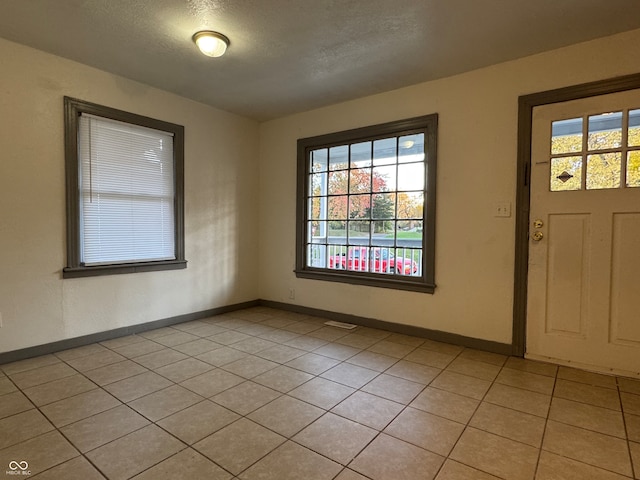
x,y
476,169
221,184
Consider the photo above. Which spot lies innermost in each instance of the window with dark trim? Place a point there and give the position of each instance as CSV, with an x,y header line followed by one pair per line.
x,y
125,194
366,205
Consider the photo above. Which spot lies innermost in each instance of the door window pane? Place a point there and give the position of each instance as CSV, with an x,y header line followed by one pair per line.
x,y
634,128
566,136
605,131
633,169
603,171
566,174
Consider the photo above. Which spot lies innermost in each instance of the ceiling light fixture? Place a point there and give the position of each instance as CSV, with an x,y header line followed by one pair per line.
x,y
212,44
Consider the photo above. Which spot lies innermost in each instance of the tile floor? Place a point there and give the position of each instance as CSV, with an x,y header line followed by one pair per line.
x,y
271,395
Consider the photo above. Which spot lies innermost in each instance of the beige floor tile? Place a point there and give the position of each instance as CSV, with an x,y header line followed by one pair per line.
x,y
157,332
221,356
58,389
77,468
634,449
313,363
391,349
29,364
283,378
38,376
239,445
413,372
135,452
633,426
405,339
104,427
165,402
6,385
176,338
253,345
335,437
484,357
41,453
72,409
228,337
189,326
629,385
80,351
452,470
292,462
581,392
160,358
337,351
184,369
122,341
393,388
350,375
519,426
526,380
598,419
301,327
496,455
554,467
14,402
135,387
281,353
185,465
329,334
369,410
322,393
461,384
212,382
430,358
531,366
441,347
630,403
286,415
206,330
96,360
114,372
198,421
279,336
305,342
430,432
518,399
446,404
138,349
250,366
255,329
372,332
347,474
246,397
473,368
582,376
357,341
389,458
372,361
21,427
603,451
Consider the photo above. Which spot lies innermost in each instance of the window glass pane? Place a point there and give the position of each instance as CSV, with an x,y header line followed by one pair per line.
x,y
605,131
318,184
319,160
384,179
384,151
360,180
407,261
410,205
382,232
361,154
318,208
411,176
411,148
566,136
317,256
359,206
633,169
337,232
383,205
359,229
603,171
339,157
338,182
634,128
566,174
317,231
337,208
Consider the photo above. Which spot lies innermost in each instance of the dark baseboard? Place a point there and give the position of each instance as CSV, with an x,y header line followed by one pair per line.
x,y
436,335
15,355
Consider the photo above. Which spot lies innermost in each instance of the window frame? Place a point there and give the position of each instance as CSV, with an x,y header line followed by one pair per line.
x,y
73,108
427,124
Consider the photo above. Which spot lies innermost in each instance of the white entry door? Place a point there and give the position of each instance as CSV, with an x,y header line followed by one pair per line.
x,y
583,306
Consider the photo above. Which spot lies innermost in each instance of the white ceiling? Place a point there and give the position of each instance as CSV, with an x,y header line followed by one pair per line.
x,y
288,56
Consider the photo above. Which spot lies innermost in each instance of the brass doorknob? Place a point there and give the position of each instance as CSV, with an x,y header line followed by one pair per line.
x,y
537,236
538,223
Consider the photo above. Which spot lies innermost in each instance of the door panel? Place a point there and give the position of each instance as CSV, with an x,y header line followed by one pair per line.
x,y
583,304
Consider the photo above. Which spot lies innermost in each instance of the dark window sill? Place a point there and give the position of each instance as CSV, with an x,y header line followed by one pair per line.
x,y
412,284
98,270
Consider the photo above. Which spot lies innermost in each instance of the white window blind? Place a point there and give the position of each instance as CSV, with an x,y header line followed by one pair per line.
x,y
126,192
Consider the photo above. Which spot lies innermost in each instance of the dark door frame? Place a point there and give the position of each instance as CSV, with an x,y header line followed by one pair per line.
x,y
526,104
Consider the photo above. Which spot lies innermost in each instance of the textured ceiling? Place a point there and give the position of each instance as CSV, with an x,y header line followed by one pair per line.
x,y
288,56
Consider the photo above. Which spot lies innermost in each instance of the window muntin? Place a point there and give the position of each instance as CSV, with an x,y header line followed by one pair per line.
x,y
367,204
124,192
596,152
